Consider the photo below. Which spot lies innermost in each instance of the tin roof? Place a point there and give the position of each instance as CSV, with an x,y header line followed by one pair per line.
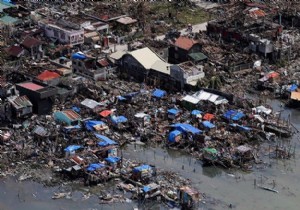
x,y
71,114
31,86
126,20
48,75
19,101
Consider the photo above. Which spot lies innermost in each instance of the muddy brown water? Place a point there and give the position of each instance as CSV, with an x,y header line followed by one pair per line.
x,y
224,186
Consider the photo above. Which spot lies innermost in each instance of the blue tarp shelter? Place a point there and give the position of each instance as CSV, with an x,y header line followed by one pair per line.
x,y
173,111
91,123
293,87
78,56
142,168
76,109
159,93
113,159
118,119
233,115
184,127
72,148
240,127
105,141
173,135
196,112
208,124
95,166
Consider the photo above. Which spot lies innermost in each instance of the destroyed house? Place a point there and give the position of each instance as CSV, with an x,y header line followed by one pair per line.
x,y
34,47
68,117
183,46
143,173
63,31
40,95
90,67
21,105
14,51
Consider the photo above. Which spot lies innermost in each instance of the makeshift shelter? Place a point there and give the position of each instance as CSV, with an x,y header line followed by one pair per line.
x,y
70,150
173,113
143,118
143,173
94,166
159,93
105,141
208,124
175,136
188,197
95,125
233,115
186,128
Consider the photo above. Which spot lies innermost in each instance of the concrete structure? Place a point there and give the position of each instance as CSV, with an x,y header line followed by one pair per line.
x,y
40,95
63,31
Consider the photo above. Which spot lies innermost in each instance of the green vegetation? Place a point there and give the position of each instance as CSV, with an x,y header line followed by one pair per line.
x,y
180,15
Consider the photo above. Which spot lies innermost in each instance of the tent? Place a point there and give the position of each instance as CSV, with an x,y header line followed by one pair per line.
x,y
173,136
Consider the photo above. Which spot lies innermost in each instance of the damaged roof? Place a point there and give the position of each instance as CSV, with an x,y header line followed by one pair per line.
x,y
15,51
30,42
185,43
19,102
31,86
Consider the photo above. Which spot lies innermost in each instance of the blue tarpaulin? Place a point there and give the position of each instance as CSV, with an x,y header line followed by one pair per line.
x,y
95,166
293,87
91,123
173,135
142,168
159,93
196,112
146,189
233,115
208,124
173,111
78,56
105,141
76,109
113,159
240,127
184,127
118,119
72,148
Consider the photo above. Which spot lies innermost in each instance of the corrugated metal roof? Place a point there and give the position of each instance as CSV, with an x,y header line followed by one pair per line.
x,y
145,57
117,55
126,20
295,96
14,51
71,114
162,67
90,103
48,75
19,101
31,86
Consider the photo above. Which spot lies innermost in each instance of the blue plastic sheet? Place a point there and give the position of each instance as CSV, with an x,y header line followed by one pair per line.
x,y
105,141
142,168
72,148
91,123
173,135
186,128
113,159
173,111
118,119
208,124
95,166
196,112
233,115
158,93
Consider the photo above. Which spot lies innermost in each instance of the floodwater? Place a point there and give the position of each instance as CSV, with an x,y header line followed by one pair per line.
x,y
224,186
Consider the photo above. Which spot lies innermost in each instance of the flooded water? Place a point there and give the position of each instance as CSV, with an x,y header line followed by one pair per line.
x,y
225,186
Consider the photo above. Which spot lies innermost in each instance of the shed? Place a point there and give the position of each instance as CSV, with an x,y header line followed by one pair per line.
x,y
68,117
